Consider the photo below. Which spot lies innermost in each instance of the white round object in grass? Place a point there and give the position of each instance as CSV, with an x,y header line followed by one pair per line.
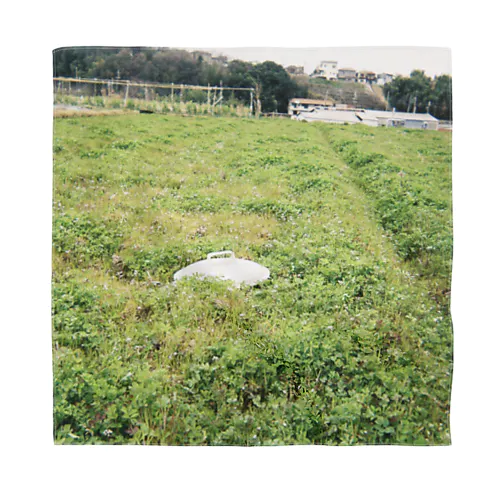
x,y
239,271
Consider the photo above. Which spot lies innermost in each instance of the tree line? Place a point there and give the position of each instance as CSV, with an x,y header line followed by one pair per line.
x,y
421,93
273,85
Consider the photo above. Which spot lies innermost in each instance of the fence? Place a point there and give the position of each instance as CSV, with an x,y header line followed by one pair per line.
x,y
156,97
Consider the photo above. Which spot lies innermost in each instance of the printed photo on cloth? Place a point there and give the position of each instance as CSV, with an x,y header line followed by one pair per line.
x,y
252,247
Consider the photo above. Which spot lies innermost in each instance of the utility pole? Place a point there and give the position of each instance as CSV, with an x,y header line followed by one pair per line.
x,y
415,105
126,96
257,100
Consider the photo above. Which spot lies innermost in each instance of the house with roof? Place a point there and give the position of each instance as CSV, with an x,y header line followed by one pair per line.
x,y
326,70
342,116
366,77
299,105
383,78
346,74
370,117
424,121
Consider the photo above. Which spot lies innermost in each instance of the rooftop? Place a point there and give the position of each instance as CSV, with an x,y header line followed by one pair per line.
x,y
320,102
331,115
358,115
399,115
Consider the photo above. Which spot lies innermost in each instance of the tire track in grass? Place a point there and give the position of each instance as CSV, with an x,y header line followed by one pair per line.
x,y
436,359
417,223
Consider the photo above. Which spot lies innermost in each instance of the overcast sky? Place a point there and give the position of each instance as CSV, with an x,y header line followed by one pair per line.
x,y
395,60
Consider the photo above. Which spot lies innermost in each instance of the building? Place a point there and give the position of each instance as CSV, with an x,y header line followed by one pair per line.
x,y
340,106
295,70
383,78
366,77
298,105
370,117
347,117
346,74
326,70
423,121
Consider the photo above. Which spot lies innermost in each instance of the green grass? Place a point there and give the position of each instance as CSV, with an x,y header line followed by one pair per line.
x,y
348,342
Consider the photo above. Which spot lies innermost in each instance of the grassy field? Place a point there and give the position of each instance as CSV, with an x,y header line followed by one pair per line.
x,y
348,342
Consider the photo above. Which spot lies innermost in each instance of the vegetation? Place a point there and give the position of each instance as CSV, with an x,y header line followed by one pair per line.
x,y
355,94
91,104
274,86
348,342
422,93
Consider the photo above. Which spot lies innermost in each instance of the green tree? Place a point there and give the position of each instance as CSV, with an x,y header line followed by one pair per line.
x,y
277,86
75,61
442,100
403,92
432,95
274,83
241,74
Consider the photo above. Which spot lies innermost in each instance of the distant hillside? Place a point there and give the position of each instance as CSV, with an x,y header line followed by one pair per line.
x,y
356,94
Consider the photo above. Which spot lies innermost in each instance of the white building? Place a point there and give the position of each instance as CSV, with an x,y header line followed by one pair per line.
x,y
383,78
370,117
326,70
329,116
423,121
298,105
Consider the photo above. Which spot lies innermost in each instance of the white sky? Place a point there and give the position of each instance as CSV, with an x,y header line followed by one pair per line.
x,y
395,60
